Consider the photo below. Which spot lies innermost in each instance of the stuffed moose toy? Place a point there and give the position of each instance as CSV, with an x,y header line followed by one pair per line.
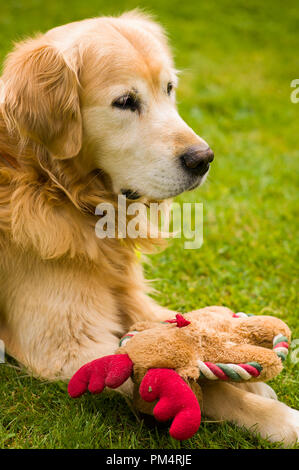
x,y
168,360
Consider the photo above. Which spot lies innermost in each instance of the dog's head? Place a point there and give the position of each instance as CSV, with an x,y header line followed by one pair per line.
x,y
102,91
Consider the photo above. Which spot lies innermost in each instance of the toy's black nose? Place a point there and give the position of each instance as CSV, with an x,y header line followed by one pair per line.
x,y
197,160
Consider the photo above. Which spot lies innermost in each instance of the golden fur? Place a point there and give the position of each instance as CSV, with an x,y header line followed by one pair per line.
x,y
67,296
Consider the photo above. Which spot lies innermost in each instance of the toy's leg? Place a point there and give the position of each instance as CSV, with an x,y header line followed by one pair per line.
x,y
271,419
263,360
259,330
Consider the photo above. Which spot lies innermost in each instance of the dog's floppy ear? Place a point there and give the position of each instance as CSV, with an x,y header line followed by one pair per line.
x,y
41,99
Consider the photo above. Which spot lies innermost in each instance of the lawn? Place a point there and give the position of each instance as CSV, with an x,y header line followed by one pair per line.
x,y
237,60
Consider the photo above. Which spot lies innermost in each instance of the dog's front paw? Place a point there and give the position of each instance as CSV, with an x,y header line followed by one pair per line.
x,y
286,430
294,423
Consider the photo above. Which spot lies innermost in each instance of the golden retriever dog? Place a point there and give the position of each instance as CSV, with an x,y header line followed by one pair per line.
x,y
87,113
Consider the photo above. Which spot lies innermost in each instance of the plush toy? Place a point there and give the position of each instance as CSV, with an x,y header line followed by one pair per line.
x,y
168,360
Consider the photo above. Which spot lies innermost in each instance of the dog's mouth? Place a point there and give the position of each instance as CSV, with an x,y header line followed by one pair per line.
x,y
195,185
133,195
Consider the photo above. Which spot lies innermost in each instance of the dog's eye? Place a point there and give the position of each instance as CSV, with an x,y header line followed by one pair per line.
x,y
128,101
169,87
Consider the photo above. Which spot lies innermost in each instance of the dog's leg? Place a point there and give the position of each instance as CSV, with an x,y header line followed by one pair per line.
x,y
269,418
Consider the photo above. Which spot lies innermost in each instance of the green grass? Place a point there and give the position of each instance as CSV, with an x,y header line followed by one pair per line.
x,y
238,59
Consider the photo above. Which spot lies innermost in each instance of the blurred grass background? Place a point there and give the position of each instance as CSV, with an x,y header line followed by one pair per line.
x,y
237,60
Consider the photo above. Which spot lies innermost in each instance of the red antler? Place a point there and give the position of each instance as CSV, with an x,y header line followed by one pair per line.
x,y
111,371
176,400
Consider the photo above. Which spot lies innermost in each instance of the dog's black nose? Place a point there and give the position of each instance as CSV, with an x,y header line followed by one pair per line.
x,y
197,160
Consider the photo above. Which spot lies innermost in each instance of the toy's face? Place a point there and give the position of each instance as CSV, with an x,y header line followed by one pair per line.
x,y
163,345
174,345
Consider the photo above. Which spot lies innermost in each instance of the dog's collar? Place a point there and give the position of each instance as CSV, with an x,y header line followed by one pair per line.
x,y
9,160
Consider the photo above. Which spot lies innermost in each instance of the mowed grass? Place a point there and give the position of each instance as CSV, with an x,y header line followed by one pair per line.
x,y
237,61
